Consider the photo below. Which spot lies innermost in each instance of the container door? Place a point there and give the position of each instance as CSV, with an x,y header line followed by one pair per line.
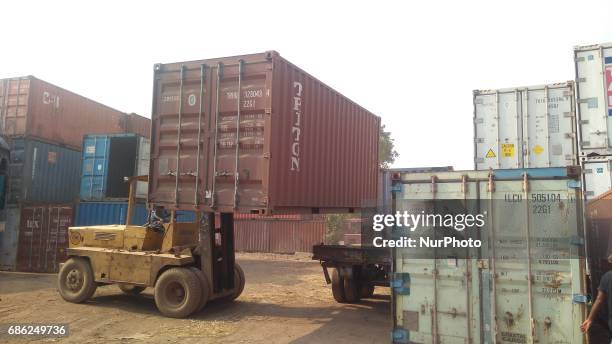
x,y
444,300
597,177
10,239
549,134
498,130
594,76
534,266
95,167
142,166
14,96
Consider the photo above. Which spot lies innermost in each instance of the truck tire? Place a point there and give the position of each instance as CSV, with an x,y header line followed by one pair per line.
x,y
76,281
367,290
177,292
204,285
352,292
131,289
337,285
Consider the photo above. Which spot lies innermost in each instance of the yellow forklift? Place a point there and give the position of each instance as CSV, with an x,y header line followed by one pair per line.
x,y
187,264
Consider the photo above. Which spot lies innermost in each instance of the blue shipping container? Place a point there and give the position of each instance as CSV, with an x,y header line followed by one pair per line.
x,y
107,159
41,172
108,213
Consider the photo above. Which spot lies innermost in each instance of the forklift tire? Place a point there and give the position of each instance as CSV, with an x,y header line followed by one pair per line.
x,y
337,283
367,290
131,289
352,292
239,282
76,280
205,287
177,292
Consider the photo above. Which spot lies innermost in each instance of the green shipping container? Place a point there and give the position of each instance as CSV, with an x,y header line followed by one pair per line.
x,y
525,284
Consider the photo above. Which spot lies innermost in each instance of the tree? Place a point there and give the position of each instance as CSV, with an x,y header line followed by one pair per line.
x,y
386,148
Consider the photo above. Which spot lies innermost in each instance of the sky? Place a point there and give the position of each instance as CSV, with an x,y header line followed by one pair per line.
x,y
413,63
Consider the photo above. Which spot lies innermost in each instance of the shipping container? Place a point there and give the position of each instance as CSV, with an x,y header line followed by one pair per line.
x,y
599,235
107,160
139,125
278,236
525,127
108,213
41,172
36,237
525,284
597,171
258,134
30,107
594,93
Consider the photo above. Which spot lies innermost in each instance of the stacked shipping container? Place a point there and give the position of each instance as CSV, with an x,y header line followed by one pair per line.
x,y
594,104
44,126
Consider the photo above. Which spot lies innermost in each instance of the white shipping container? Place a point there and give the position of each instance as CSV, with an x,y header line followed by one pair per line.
x,y
525,127
524,285
594,93
597,175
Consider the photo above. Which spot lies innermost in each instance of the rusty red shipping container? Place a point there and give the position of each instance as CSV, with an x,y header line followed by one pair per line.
x,y
598,218
137,124
278,236
301,146
43,237
30,107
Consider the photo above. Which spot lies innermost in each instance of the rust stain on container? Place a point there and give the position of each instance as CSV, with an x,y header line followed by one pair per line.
x,y
43,237
301,146
30,107
278,236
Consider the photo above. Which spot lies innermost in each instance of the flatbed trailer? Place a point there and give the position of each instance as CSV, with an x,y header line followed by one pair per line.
x,y
356,270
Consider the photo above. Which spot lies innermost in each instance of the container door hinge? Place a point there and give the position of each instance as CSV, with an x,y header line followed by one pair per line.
x,y
580,298
400,335
400,283
574,184
576,241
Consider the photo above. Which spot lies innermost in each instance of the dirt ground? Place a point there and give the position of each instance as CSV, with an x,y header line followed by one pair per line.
x,y
285,300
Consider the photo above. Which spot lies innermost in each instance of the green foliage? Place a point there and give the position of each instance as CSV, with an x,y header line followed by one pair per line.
x,y
386,148
335,228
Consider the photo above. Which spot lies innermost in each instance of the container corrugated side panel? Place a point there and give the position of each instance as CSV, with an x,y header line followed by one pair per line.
x,y
108,213
43,237
41,172
142,166
10,239
278,236
138,125
525,127
464,289
594,92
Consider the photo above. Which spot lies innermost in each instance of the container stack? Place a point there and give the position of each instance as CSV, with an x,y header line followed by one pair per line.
x,y
594,105
44,127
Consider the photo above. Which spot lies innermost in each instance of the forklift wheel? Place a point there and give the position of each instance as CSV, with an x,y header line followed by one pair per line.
x,y
352,292
338,286
204,287
367,290
239,280
177,292
131,289
76,280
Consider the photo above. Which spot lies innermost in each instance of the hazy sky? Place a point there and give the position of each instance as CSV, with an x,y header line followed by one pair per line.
x,y
415,64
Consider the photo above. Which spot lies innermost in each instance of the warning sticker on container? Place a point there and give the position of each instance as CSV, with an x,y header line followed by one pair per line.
x,y
507,150
52,157
90,149
490,153
537,150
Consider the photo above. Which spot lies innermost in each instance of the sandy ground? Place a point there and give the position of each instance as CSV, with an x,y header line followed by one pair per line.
x,y
285,300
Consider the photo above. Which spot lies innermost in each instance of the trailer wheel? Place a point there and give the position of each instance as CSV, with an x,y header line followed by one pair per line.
x,y
367,290
76,280
352,292
131,289
177,292
338,287
204,287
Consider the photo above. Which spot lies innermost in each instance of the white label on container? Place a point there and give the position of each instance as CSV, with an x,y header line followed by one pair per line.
x,y
90,149
191,100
